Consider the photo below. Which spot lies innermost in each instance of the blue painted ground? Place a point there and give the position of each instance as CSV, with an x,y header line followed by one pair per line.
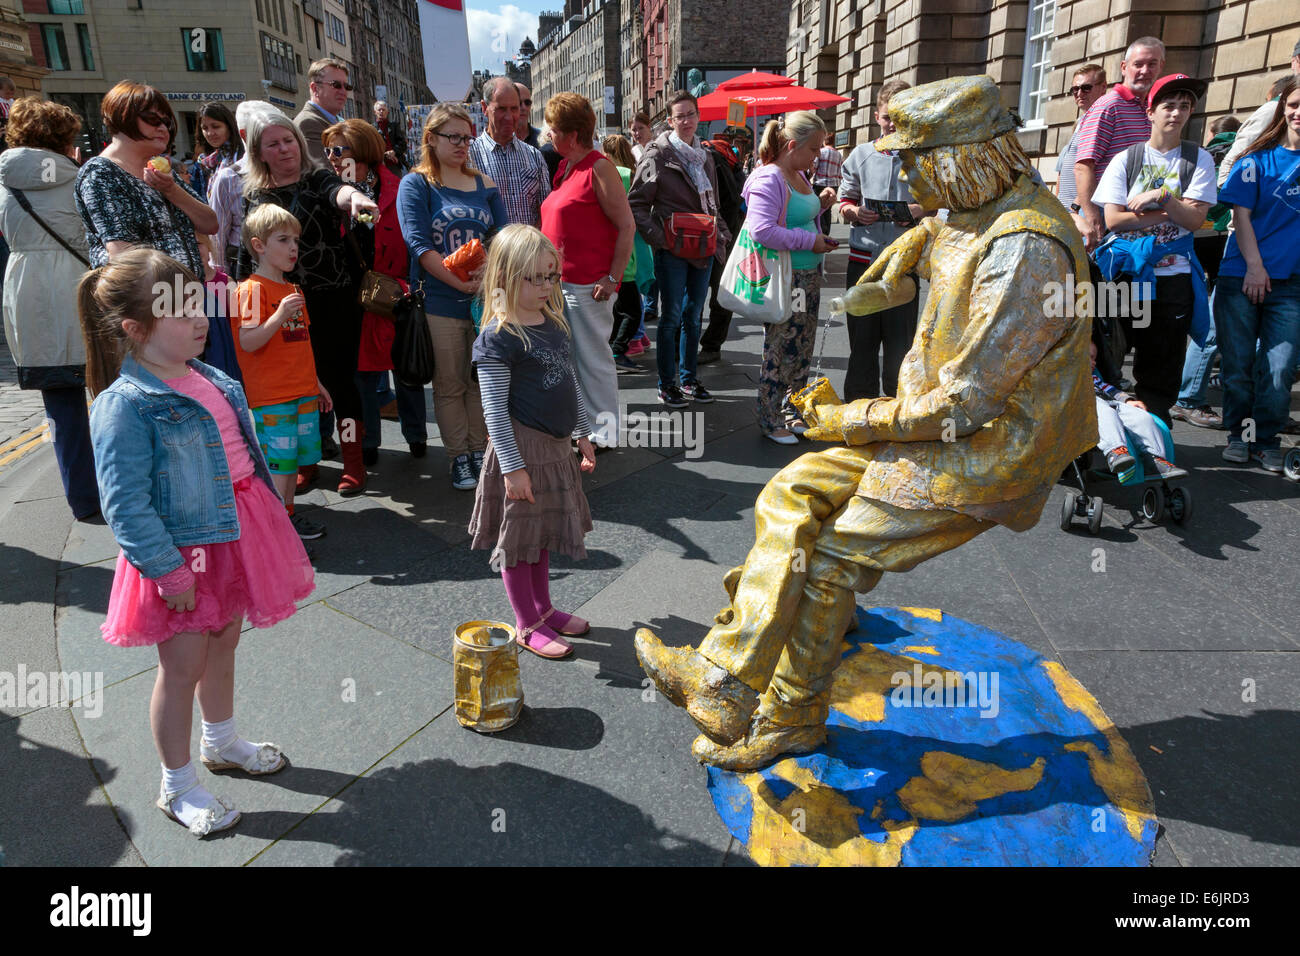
x,y
1065,819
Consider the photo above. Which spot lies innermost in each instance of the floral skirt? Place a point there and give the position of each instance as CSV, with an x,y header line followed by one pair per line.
x,y
261,575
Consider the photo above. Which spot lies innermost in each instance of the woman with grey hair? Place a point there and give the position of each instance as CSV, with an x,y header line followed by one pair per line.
x,y
281,172
226,196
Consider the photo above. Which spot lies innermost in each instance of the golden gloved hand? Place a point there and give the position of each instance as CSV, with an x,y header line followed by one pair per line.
x,y
899,257
829,423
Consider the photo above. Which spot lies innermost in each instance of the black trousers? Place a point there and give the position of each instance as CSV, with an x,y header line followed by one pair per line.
x,y
627,317
335,330
70,430
1160,345
867,376
719,318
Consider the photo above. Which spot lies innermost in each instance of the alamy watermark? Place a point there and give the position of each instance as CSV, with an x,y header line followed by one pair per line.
x,y
921,688
22,688
657,429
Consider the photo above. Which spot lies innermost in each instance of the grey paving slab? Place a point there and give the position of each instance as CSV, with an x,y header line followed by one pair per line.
x,y
364,541
740,463
88,543
680,615
29,558
290,688
53,807
592,774
1140,601
83,603
1220,767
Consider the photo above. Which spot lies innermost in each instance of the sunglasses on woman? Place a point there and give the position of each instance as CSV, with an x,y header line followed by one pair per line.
x,y
336,152
158,120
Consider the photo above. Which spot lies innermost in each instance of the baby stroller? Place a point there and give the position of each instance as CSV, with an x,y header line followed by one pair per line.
x,y
1158,497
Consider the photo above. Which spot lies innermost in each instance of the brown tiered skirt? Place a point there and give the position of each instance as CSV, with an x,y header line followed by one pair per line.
x,y
555,521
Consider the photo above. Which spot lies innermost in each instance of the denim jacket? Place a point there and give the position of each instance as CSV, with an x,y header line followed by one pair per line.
x,y
163,476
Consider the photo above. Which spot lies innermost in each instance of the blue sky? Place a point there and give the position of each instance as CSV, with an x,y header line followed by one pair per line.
x,y
497,29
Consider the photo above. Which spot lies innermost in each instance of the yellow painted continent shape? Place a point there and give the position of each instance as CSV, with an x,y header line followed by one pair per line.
x,y
815,825
1119,776
951,785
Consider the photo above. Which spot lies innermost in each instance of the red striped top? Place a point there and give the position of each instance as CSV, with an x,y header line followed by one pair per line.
x,y
1115,122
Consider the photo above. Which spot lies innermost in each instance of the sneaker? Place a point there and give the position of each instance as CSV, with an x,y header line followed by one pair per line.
x,y
462,473
708,357
1119,460
1270,459
697,393
1236,451
635,347
476,461
643,339
1202,416
672,397
307,529
1163,467
625,366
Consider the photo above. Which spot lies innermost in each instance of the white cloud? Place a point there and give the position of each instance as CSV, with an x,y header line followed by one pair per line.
x,y
494,37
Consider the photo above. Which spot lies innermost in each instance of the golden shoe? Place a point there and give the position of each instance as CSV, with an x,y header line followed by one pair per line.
x,y
719,704
764,743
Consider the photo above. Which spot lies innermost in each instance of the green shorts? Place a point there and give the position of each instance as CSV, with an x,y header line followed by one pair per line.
x,y
289,434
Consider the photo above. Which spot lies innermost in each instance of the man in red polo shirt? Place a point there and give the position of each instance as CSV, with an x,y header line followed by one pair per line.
x,y
1115,122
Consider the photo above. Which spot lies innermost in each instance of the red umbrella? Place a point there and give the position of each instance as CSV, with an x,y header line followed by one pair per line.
x,y
766,101
754,80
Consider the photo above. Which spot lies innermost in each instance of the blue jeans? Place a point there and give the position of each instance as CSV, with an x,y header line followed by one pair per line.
x,y
1196,370
678,340
70,432
1257,380
410,410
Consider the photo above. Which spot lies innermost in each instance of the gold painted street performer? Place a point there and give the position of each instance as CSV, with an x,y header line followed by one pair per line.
x,y
994,400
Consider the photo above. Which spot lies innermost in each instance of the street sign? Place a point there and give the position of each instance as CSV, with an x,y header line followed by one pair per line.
x,y
736,112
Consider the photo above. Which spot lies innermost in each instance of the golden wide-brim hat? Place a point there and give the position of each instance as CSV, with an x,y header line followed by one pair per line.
x,y
951,112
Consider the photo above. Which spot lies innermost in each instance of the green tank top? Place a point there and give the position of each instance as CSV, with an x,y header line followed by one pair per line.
x,y
802,213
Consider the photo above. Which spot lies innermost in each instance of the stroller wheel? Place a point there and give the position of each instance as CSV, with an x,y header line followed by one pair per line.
x,y
1067,509
1153,504
1095,508
1291,464
1180,505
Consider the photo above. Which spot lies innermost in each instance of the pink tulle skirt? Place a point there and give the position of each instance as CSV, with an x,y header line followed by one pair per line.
x,y
261,575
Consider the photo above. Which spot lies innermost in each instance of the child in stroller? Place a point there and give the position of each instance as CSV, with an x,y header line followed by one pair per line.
x,y
1126,428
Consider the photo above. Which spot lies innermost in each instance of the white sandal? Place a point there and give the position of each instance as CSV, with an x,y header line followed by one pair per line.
x,y
268,758
216,816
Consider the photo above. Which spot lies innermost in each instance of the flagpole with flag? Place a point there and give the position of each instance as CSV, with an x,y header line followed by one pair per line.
x,y
444,37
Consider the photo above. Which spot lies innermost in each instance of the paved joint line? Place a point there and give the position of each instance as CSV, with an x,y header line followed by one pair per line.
x,y
311,813
324,602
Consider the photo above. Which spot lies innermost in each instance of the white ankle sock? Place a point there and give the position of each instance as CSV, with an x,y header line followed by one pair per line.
x,y
222,738
177,780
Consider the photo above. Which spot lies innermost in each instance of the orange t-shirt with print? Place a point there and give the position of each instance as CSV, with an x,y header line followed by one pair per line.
x,y
282,370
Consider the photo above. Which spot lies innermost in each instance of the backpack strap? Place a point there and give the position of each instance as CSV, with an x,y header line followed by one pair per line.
x,y
1187,164
1133,157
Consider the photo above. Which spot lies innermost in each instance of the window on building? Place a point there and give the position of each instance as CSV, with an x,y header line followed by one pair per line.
x,y
1038,61
297,22
66,7
284,21
83,37
261,14
278,63
56,47
204,52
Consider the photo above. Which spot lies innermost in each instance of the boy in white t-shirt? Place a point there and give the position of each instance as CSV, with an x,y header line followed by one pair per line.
x,y
1163,200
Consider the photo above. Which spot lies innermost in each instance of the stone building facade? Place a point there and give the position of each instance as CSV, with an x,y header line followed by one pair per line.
x,y
17,60
1031,48
580,53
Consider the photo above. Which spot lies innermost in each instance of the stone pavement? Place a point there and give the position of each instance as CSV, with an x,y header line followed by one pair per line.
x,y
22,416
1188,640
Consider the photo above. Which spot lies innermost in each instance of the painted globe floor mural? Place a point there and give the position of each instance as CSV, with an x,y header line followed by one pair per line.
x,y
948,745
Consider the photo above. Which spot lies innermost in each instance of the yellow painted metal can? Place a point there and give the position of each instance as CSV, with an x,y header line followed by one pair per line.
x,y
489,692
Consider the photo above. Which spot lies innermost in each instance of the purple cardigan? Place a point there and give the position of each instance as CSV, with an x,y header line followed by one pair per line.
x,y
765,196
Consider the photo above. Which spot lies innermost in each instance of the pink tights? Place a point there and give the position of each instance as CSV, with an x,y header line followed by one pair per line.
x,y
528,586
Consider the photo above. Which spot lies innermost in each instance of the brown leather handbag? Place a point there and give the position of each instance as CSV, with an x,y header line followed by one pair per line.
x,y
380,294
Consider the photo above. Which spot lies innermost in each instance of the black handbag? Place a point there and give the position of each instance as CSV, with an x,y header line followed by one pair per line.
x,y
412,351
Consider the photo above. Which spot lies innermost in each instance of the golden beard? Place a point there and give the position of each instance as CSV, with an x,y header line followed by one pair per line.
x,y
971,174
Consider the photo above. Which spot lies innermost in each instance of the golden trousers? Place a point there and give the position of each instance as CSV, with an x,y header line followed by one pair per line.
x,y
816,543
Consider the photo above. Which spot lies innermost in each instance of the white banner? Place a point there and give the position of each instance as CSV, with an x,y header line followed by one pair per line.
x,y
444,36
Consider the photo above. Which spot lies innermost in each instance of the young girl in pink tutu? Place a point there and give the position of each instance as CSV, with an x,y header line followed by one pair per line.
x,y
530,500
205,540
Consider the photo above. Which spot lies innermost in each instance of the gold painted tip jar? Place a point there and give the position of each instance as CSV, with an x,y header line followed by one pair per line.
x,y
489,692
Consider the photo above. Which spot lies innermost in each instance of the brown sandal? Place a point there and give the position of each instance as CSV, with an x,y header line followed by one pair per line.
x,y
548,649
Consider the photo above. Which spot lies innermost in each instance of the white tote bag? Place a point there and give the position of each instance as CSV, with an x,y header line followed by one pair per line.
x,y
756,281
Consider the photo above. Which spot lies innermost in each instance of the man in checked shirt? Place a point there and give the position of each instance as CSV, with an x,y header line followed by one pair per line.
x,y
517,168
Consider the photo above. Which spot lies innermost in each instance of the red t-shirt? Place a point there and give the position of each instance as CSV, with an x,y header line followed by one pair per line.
x,y
282,370
573,220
